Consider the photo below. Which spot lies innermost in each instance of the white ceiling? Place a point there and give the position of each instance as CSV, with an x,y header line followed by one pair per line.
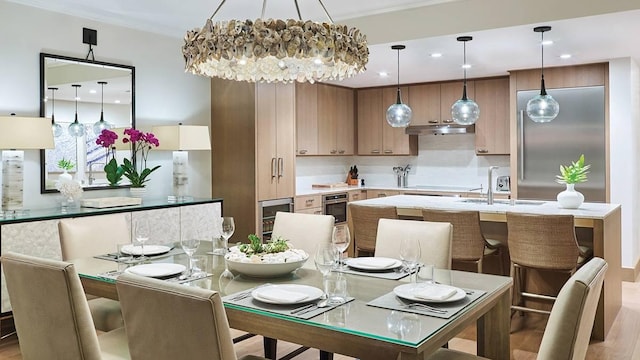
x,y
492,52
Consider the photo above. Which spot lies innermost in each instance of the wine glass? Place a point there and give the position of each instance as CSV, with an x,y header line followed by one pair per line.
x,y
410,253
325,258
227,228
190,245
142,235
340,241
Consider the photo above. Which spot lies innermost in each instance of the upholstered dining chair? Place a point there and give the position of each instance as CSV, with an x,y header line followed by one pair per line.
x,y
468,244
566,336
90,236
51,313
304,231
435,236
172,321
363,223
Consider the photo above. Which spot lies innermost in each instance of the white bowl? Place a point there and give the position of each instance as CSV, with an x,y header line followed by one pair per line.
x,y
264,270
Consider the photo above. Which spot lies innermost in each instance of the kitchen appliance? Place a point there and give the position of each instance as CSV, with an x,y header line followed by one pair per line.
x,y
503,183
268,210
542,147
336,205
445,129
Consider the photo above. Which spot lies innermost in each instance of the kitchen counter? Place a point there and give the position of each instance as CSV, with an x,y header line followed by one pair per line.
x,y
418,189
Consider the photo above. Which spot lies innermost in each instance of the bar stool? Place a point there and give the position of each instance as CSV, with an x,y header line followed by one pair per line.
x,y
541,242
469,244
363,225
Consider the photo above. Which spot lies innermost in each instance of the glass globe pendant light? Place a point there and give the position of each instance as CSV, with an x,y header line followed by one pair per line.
x,y
465,111
399,114
542,108
100,125
76,129
55,127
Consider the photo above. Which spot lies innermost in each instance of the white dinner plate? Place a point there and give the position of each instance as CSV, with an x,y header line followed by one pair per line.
x,y
286,294
373,263
156,269
408,291
148,249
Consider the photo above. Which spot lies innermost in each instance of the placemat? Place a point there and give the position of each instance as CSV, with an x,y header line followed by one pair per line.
x,y
250,302
392,302
115,256
113,275
390,275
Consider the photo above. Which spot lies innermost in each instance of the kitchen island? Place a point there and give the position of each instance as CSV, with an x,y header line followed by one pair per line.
x,y
601,222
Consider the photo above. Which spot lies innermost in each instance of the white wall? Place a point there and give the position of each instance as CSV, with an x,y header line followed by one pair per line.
x,y
165,94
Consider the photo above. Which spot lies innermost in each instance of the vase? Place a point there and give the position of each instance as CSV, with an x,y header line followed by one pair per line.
x,y
65,175
570,198
137,192
68,202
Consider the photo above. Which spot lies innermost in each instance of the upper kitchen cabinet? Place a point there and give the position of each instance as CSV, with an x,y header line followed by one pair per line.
x,y
450,92
492,128
336,122
375,136
306,119
431,103
561,77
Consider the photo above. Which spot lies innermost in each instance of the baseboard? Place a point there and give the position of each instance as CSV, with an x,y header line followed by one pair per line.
x,y
631,274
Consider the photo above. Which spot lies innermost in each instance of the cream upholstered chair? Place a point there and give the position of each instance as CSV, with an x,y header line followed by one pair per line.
x,y
468,244
304,231
51,313
568,330
435,236
172,321
90,236
363,222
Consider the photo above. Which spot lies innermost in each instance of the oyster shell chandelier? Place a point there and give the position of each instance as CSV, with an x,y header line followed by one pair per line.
x,y
274,50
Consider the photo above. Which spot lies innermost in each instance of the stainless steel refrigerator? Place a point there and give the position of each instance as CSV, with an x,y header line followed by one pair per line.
x,y
543,147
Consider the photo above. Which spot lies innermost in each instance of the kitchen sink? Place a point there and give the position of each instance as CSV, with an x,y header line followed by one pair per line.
x,y
502,201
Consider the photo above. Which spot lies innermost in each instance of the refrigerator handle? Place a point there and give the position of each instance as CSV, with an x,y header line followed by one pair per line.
x,y
521,146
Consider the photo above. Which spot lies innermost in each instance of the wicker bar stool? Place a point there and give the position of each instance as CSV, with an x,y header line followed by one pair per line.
x,y
469,244
363,225
541,242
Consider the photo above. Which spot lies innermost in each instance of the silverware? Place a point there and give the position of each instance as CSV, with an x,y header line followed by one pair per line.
x,y
246,294
425,307
302,308
318,305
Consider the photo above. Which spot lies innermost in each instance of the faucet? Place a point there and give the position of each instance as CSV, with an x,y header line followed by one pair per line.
x,y
91,178
490,186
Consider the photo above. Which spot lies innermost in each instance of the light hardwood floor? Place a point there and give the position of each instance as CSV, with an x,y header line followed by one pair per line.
x,y
623,342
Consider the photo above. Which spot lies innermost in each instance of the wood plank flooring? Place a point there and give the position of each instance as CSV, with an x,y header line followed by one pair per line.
x,y
623,342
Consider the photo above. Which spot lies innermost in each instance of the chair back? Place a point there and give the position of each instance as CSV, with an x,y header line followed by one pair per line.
x,y
434,237
568,330
468,242
172,321
364,224
542,241
304,231
92,235
50,310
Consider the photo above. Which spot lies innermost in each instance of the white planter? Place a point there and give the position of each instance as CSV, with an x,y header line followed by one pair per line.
x,y
570,198
137,192
65,175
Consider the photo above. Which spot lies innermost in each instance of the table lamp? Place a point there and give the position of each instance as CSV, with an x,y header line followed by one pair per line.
x,y
18,134
181,138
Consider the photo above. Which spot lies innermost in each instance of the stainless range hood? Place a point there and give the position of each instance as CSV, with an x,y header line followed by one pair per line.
x,y
443,129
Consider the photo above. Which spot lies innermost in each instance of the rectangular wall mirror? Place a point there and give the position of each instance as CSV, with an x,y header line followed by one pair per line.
x,y
103,86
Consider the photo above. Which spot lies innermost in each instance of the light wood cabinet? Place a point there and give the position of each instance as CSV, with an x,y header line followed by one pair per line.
x,y
356,195
308,204
372,194
345,121
450,92
424,100
492,128
306,119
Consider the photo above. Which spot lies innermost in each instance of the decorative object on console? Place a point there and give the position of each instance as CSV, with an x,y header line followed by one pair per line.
x,y
18,134
352,178
101,124
55,127
76,129
571,175
71,191
542,108
275,50
465,111
66,166
399,114
182,138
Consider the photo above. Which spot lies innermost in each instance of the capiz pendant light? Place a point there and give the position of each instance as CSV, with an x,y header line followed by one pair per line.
x,y
55,127
465,111
100,125
399,114
76,129
542,108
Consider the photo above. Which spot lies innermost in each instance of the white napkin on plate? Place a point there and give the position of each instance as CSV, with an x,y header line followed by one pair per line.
x,y
434,292
280,295
373,262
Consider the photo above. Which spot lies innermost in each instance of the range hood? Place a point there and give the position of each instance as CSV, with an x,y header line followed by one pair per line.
x,y
442,129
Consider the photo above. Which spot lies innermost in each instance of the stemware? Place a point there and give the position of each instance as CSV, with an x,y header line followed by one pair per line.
x,y
142,235
325,258
190,245
410,253
340,241
227,228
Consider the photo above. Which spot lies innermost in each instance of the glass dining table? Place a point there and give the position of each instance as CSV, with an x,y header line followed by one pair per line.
x,y
357,328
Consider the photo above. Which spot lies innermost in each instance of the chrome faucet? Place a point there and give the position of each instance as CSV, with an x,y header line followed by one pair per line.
x,y
91,178
490,186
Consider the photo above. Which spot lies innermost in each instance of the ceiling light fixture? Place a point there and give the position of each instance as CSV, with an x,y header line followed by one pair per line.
x,y
399,114
55,127
275,50
465,111
542,108
100,125
565,56
76,129
436,55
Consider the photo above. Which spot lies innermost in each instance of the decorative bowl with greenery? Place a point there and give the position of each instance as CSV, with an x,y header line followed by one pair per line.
x,y
574,173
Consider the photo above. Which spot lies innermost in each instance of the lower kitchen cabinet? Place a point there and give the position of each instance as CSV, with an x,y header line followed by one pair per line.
x,y
308,204
371,194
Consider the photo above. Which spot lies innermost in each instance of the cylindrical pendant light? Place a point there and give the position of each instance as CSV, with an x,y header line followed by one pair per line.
x,y
101,124
399,114
542,108
465,111
55,127
76,129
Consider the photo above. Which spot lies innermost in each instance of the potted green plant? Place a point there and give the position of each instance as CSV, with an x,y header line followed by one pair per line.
x,y
66,166
572,175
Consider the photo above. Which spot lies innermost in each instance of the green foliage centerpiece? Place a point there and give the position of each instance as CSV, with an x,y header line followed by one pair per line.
x,y
571,175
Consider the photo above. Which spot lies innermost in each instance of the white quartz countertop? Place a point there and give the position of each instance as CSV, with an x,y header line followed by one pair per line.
x,y
412,189
586,210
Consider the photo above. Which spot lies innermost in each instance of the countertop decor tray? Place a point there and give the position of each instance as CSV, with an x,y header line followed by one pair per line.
x,y
108,202
329,186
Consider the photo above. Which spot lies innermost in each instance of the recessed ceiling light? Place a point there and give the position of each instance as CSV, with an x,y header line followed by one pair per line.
x,y
436,55
92,91
466,66
547,42
383,74
565,56
117,101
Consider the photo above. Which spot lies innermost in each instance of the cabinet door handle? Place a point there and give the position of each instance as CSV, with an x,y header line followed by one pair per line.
x,y
318,212
333,151
382,195
433,121
341,152
482,151
273,168
375,151
280,167
302,152
388,151
447,121
309,202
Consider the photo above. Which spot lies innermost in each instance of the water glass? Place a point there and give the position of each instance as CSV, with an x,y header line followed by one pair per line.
x,y
335,286
325,258
340,240
425,274
142,235
199,265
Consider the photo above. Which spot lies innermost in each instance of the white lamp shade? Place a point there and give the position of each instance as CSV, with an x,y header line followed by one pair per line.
x,y
25,133
182,137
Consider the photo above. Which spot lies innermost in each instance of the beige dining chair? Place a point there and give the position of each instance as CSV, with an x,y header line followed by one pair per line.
x,y
89,236
363,225
304,231
567,334
51,313
172,321
434,237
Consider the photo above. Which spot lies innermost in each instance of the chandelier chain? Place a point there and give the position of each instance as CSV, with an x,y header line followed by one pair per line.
x,y
217,9
398,69
264,8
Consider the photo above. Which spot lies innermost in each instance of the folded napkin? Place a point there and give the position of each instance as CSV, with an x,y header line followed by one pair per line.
x,y
434,292
279,295
373,262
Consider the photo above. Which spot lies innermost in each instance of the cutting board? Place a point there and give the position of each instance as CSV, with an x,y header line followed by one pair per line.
x,y
329,186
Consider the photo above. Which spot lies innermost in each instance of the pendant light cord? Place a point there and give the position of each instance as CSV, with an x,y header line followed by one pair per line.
x,y
464,68
264,8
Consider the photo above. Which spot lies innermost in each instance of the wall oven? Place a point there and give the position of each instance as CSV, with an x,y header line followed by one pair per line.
x,y
336,205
